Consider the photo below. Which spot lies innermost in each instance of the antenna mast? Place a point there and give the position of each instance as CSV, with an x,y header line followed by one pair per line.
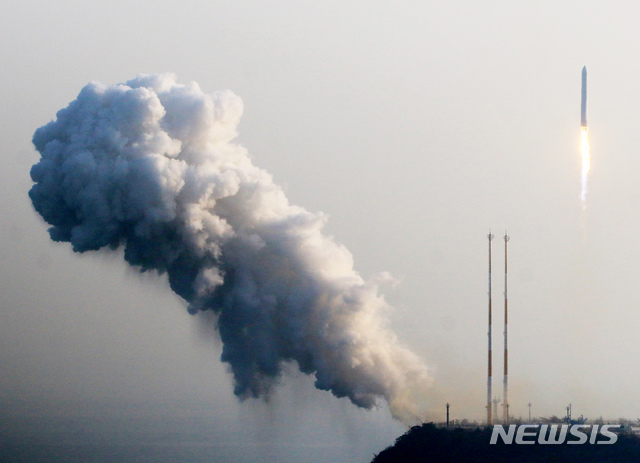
x,y
489,408
505,402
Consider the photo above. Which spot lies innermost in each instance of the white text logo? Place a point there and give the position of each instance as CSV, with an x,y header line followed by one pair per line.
x,y
554,434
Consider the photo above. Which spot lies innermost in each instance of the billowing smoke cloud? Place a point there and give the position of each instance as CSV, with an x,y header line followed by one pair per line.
x,y
150,165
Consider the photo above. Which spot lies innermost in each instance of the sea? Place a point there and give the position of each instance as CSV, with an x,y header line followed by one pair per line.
x,y
129,435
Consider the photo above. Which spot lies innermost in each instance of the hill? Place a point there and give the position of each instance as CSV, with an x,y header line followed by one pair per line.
x,y
429,443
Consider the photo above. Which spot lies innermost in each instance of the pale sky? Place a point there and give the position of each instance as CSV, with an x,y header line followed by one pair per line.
x,y
416,127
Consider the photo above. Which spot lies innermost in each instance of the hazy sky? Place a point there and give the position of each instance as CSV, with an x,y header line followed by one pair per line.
x,y
416,127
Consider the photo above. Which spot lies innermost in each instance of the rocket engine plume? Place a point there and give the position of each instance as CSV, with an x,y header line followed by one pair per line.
x,y
151,166
586,164
586,157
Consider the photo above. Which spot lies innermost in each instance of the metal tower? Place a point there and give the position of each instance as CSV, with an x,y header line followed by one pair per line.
x,y
505,403
489,408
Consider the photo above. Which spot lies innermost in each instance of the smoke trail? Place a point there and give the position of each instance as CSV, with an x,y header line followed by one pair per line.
x,y
586,165
150,166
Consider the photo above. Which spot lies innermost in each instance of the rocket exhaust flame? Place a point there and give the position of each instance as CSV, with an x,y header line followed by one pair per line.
x,y
151,166
586,165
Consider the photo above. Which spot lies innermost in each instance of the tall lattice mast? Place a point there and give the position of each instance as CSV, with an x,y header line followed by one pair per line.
x,y
489,408
505,402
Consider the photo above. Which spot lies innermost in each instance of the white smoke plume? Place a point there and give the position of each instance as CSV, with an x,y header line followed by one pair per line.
x,y
151,166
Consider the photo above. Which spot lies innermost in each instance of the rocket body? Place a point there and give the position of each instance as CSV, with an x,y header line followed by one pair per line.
x,y
583,105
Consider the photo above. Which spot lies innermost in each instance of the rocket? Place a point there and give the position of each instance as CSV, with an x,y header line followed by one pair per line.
x,y
583,105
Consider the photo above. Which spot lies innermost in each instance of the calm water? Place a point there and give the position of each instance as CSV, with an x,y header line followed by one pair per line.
x,y
164,438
